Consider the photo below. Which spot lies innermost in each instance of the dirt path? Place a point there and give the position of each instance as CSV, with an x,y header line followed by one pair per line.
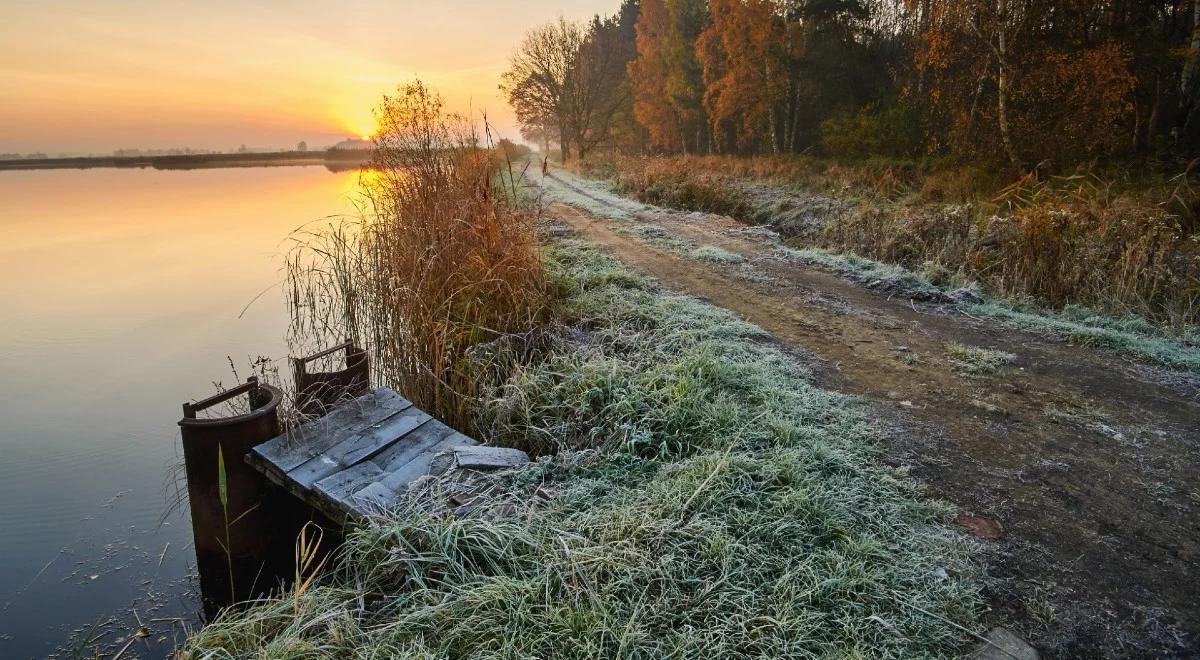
x,y
1086,473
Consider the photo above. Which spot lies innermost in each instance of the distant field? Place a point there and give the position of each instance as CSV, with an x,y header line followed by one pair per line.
x,y
193,161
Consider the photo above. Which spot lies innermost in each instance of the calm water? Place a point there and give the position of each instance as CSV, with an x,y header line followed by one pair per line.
x,y
120,296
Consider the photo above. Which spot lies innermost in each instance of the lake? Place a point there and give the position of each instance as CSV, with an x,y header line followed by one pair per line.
x,y
123,294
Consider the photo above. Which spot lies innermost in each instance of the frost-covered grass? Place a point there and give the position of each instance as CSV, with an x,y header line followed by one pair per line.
x,y
658,237
716,255
711,502
592,196
1114,243
861,269
976,360
1131,335
1111,251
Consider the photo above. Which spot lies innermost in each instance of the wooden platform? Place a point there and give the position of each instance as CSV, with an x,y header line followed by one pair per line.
x,y
359,458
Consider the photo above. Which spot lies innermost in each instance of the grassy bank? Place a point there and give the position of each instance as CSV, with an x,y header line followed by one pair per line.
x,y
1119,246
1172,347
706,500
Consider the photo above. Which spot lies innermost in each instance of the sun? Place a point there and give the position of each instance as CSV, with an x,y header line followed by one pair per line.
x,y
366,138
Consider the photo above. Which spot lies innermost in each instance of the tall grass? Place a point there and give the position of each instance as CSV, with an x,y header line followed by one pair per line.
x,y
438,263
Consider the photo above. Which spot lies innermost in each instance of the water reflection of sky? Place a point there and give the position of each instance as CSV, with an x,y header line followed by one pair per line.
x,y
120,295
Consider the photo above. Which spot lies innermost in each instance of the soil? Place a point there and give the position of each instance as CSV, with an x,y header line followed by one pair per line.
x,y
1076,467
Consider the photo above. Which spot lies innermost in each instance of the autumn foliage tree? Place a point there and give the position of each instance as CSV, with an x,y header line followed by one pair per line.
x,y
742,56
648,77
1030,84
1045,80
540,79
667,82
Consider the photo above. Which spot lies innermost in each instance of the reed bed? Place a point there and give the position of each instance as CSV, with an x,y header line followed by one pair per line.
x,y
437,263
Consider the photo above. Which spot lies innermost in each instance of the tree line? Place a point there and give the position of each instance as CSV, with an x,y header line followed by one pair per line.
x,y
1034,83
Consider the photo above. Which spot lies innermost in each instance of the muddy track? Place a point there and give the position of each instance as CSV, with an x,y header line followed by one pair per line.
x,y
1088,470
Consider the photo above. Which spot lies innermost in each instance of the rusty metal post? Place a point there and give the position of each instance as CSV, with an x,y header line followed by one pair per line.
x,y
232,505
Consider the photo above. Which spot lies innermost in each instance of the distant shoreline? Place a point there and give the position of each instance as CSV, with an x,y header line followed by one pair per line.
x,y
335,159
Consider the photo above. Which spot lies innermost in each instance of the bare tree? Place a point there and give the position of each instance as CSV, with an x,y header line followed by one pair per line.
x,y
569,77
539,79
598,88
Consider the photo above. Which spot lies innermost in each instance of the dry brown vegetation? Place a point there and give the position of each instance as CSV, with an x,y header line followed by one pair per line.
x,y
437,264
1079,239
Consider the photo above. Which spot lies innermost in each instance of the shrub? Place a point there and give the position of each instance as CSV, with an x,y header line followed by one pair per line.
x,y
892,131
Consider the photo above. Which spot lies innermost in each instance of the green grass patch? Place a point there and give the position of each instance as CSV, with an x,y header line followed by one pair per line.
x,y
658,237
711,502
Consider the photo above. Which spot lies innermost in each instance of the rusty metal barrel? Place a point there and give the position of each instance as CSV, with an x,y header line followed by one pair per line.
x,y
319,392
232,505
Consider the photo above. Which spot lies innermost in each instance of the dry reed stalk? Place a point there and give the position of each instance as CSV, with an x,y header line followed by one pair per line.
x,y
439,261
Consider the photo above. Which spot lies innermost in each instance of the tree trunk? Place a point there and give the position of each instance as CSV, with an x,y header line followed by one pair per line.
x,y
1188,123
794,143
774,130
1136,143
1002,86
1155,114
1187,76
771,114
975,105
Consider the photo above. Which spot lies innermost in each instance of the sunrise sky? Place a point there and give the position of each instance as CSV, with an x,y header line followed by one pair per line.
x,y
87,76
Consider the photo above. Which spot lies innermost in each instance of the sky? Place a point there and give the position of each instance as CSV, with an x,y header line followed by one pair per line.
x,y
92,76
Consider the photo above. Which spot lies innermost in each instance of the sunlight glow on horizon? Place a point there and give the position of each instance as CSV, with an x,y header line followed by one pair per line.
x,y
83,78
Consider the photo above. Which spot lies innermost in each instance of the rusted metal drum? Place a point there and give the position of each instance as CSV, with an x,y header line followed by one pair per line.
x,y
232,505
318,392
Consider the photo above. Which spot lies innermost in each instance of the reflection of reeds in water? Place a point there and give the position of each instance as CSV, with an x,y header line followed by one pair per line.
x,y
437,262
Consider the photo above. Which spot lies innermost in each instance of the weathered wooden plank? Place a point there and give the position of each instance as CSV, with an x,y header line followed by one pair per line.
x,y
290,450
364,455
421,439
400,476
488,458
357,447
407,464
375,440
374,495
340,487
